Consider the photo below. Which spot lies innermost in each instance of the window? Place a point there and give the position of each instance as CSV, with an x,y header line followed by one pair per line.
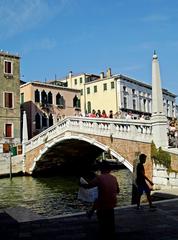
x,y
43,97
81,92
8,100
95,89
125,102
50,120
37,121
88,90
124,88
44,120
76,102
133,91
112,85
37,96
144,105
50,98
8,130
105,86
134,104
22,98
60,100
75,81
8,67
89,107
81,80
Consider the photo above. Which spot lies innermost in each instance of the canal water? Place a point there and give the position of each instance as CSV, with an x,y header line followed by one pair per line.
x,y
54,195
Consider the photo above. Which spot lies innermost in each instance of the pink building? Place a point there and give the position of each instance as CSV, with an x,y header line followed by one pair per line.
x,y
45,104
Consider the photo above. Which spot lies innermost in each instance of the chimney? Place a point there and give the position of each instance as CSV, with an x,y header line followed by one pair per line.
x,y
70,74
102,75
108,73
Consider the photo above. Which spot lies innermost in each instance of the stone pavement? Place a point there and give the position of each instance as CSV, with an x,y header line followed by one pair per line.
x,y
131,224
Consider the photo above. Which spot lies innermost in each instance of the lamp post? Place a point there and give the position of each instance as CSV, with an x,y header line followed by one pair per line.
x,y
10,161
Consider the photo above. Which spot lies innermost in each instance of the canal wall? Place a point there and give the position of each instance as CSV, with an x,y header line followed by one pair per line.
x,y
10,164
166,178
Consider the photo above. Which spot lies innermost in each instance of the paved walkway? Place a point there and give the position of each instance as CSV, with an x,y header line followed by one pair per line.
x,y
131,224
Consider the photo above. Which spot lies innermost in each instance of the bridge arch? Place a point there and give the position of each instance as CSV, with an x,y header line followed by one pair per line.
x,y
81,138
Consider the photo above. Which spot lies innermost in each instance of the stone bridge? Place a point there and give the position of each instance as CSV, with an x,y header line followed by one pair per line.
x,y
78,141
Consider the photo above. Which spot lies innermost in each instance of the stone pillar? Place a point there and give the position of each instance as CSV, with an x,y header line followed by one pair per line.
x,y
159,120
24,138
24,128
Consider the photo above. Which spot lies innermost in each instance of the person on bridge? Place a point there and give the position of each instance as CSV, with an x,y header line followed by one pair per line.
x,y
108,188
141,179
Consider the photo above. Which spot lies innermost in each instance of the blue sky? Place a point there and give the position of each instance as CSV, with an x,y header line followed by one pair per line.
x,y
54,37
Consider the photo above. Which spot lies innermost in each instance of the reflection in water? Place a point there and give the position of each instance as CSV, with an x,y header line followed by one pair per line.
x,y
54,195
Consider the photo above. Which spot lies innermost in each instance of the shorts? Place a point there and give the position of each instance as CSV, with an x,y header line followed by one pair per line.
x,y
143,188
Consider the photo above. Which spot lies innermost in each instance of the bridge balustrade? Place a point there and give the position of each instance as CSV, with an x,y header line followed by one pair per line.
x,y
119,128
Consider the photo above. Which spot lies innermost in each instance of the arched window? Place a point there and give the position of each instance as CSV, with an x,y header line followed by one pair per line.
x,y
44,120
37,96
37,121
50,98
58,96
76,102
60,100
50,120
43,97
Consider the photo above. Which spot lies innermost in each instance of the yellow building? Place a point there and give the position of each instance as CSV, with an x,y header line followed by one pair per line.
x,y
97,91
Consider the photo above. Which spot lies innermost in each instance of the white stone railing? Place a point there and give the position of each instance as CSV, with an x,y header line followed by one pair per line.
x,y
135,130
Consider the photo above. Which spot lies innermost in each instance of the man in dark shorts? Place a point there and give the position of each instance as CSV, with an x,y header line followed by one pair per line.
x,y
141,179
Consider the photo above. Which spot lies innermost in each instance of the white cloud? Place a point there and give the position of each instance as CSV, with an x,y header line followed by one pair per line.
x,y
38,45
21,15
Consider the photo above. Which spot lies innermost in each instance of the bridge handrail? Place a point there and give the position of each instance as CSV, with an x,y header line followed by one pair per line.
x,y
123,128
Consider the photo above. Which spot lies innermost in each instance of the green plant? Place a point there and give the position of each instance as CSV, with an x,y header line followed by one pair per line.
x,y
160,156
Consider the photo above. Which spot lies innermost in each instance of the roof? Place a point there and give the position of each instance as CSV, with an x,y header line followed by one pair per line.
x,y
41,84
7,54
165,91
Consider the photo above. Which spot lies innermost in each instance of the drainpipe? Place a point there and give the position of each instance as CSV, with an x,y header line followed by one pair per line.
x,y
84,95
115,82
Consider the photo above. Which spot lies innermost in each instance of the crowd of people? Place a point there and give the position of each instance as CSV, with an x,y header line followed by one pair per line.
x,y
117,115
172,133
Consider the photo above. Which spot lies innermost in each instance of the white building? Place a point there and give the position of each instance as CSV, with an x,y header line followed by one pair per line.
x,y
118,93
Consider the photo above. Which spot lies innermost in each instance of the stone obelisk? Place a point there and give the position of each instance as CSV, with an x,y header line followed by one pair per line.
x,y
24,137
159,119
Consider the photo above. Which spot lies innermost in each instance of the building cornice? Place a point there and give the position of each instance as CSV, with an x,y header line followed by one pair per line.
x,y
123,77
47,85
7,54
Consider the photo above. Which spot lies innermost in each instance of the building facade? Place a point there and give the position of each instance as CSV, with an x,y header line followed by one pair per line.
x,y
9,99
45,104
118,93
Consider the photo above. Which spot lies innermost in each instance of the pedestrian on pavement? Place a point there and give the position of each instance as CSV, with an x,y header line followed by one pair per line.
x,y
141,182
108,188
